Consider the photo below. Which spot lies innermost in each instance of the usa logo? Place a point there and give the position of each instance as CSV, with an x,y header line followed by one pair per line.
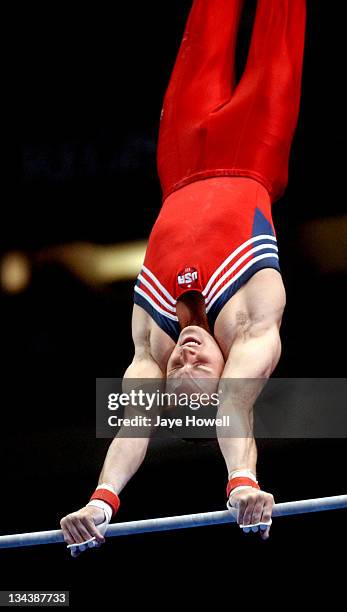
x,y
187,277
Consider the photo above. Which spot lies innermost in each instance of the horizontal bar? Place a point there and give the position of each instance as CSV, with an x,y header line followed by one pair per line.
x,y
177,522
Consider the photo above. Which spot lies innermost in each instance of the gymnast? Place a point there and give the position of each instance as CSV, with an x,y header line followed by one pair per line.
x,y
209,299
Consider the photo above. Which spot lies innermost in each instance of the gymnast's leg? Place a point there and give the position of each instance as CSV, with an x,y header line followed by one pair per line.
x,y
212,127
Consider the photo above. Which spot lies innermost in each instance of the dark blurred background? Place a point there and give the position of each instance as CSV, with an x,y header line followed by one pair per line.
x,y
83,195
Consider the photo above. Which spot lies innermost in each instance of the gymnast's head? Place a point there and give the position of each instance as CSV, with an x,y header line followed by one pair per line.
x,y
195,361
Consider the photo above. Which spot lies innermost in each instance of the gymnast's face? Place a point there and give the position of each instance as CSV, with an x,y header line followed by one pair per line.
x,y
195,356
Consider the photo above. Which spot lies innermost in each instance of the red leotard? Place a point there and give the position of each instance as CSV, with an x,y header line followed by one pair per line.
x,y
215,228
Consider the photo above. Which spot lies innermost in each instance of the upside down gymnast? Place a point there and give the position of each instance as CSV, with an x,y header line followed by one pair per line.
x,y
209,299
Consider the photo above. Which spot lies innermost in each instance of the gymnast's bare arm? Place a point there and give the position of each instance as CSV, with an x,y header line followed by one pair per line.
x,y
250,327
124,455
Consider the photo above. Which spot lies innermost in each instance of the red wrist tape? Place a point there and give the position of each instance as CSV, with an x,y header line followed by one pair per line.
x,y
107,496
241,481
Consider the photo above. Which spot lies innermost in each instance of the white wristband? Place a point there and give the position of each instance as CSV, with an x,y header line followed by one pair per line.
x,y
107,486
99,503
243,474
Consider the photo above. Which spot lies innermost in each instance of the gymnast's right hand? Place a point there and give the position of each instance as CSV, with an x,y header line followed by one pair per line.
x,y
81,527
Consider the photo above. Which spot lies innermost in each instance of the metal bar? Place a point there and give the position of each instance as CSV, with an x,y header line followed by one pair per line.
x,y
177,522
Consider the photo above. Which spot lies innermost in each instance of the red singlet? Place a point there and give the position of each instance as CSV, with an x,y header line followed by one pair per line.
x,y
215,229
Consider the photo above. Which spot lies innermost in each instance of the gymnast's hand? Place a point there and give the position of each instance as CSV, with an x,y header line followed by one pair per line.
x,y
81,527
254,509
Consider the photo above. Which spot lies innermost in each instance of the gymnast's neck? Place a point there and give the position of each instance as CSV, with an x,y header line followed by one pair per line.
x,y
191,310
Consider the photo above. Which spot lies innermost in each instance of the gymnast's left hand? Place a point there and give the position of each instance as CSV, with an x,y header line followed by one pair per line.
x,y
84,529
254,509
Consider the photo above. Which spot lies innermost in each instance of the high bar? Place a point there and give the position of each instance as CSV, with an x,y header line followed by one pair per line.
x,y
184,521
